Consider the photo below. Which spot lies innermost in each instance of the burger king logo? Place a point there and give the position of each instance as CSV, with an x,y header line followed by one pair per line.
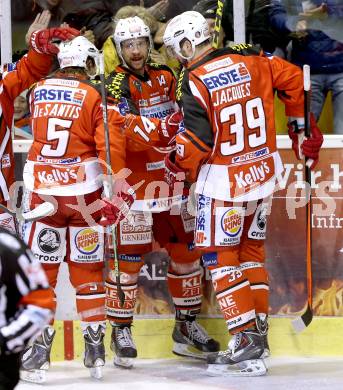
x,y
87,241
231,222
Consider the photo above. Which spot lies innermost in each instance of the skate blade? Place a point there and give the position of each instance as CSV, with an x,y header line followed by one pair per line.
x,y
33,376
123,362
266,353
255,367
187,350
96,371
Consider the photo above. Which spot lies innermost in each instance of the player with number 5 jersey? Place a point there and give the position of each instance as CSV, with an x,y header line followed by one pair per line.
x,y
65,165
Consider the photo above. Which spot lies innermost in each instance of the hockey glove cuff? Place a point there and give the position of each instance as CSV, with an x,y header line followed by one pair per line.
x,y
308,147
311,146
172,173
171,125
116,209
296,134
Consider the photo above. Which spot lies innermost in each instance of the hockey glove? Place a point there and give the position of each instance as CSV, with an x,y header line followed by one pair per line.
x,y
172,173
171,125
308,147
42,40
116,209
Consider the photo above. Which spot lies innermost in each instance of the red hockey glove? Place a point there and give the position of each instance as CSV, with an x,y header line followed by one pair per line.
x,y
41,40
308,147
116,209
311,146
172,173
171,125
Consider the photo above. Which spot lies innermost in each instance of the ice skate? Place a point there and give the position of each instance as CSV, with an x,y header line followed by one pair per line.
x,y
262,326
242,358
123,346
192,340
35,360
94,358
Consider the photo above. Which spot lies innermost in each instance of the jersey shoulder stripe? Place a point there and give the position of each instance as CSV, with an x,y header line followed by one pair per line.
x,y
186,134
240,49
156,66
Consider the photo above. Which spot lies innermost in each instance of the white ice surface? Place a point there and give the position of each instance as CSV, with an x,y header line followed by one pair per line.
x,y
284,373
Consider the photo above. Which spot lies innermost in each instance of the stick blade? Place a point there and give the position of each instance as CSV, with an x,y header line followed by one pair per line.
x,y
41,211
301,323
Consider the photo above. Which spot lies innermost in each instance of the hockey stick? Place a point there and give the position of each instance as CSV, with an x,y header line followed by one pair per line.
x,y
43,210
300,323
108,190
218,23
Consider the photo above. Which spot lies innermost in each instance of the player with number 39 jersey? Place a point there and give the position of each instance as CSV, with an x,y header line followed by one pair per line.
x,y
228,148
229,145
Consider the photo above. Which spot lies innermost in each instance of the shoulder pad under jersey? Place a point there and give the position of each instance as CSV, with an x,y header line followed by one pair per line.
x,y
160,67
155,65
246,49
115,84
96,84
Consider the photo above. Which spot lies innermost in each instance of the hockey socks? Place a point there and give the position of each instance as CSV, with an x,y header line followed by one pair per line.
x,y
116,313
234,297
186,291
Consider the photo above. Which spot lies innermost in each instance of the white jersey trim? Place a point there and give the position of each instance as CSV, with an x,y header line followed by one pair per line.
x,y
92,181
159,204
213,181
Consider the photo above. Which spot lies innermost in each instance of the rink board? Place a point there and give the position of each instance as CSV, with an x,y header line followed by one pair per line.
x,y
287,268
153,338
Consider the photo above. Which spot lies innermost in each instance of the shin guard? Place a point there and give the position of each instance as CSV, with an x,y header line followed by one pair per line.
x,y
234,297
115,313
186,292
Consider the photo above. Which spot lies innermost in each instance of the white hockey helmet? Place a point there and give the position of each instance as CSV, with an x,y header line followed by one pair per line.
x,y
130,28
189,25
76,52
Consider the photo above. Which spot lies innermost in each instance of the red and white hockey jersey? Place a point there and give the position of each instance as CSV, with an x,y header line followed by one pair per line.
x,y
67,156
14,79
151,96
229,142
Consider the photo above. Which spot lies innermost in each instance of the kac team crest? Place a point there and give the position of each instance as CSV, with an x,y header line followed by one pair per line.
x,y
87,241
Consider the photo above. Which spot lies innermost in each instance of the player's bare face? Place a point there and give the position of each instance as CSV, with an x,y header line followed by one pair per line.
x,y
135,53
20,107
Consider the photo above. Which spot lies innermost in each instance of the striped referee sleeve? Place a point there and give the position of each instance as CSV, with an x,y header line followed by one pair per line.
x,y
24,293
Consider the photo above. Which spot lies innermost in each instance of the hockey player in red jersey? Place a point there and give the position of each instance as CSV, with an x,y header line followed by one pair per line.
x,y
14,78
26,304
65,164
228,148
149,89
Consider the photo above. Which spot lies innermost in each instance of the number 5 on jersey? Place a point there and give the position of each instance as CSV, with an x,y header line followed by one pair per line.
x,y
58,133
